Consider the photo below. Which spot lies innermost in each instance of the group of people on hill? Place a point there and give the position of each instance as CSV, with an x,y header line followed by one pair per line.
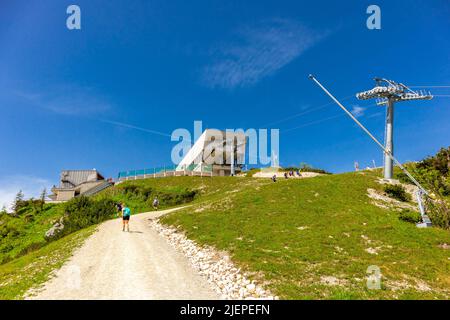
x,y
125,212
287,175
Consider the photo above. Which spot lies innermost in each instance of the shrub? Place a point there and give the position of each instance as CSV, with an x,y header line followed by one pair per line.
x,y
397,191
433,172
81,212
439,211
438,162
304,167
410,216
251,172
145,194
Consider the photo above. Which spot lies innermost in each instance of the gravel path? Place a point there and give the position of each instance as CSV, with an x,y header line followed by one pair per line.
x,y
113,264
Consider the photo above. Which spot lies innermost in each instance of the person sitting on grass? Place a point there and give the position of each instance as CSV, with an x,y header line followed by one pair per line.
x,y
126,213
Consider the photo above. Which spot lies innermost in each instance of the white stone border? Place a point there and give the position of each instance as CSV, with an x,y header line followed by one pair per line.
x,y
226,279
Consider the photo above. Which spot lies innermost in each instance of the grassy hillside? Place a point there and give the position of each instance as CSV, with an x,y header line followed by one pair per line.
x,y
24,233
33,269
315,238
304,238
171,191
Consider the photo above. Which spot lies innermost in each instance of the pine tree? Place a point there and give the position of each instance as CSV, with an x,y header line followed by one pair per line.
x,y
42,198
18,202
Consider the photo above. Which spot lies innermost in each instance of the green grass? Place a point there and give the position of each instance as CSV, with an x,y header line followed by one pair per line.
x,y
26,257
173,188
289,235
32,270
292,233
24,234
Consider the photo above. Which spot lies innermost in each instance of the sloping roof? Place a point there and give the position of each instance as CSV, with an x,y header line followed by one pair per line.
x,y
72,178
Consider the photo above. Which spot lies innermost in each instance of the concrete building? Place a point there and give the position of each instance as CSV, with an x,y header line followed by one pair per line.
x,y
216,151
78,182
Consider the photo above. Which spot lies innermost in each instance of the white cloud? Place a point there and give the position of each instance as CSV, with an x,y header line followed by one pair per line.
x,y
377,114
31,187
67,100
261,51
358,111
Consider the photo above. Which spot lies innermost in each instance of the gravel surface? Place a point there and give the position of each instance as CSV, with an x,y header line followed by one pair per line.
x,y
227,279
113,264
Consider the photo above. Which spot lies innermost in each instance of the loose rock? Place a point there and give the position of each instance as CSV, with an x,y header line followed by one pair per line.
x,y
219,270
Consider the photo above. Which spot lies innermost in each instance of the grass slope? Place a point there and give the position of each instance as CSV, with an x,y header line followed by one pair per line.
x,y
24,234
32,270
171,191
315,238
304,238
27,258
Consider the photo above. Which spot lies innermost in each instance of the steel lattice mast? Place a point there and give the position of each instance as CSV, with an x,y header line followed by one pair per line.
x,y
387,92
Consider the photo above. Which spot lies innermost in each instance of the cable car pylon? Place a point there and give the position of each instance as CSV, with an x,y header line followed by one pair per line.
x,y
426,222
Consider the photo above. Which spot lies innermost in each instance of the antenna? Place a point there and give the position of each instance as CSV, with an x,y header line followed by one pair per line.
x,y
387,92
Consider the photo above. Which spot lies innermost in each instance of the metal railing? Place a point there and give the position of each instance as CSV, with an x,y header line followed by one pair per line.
x,y
166,171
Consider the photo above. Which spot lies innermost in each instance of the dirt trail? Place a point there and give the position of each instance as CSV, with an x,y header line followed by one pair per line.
x,y
113,264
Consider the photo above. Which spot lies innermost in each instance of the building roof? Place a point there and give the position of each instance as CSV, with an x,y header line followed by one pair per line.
x,y
73,178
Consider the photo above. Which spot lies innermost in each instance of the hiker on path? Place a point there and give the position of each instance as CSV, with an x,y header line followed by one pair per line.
x,y
155,203
118,208
126,213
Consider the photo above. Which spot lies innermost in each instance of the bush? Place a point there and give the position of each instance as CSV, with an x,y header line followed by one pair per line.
x,y
251,172
438,162
432,172
304,167
410,216
397,191
81,212
439,212
145,194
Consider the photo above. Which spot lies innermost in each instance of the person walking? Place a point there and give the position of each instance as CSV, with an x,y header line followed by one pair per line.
x,y
118,209
155,203
126,213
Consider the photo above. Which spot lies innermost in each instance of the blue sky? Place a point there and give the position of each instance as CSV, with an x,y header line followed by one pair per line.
x,y
160,65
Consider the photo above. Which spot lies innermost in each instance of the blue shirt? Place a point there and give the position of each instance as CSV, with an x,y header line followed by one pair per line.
x,y
126,212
